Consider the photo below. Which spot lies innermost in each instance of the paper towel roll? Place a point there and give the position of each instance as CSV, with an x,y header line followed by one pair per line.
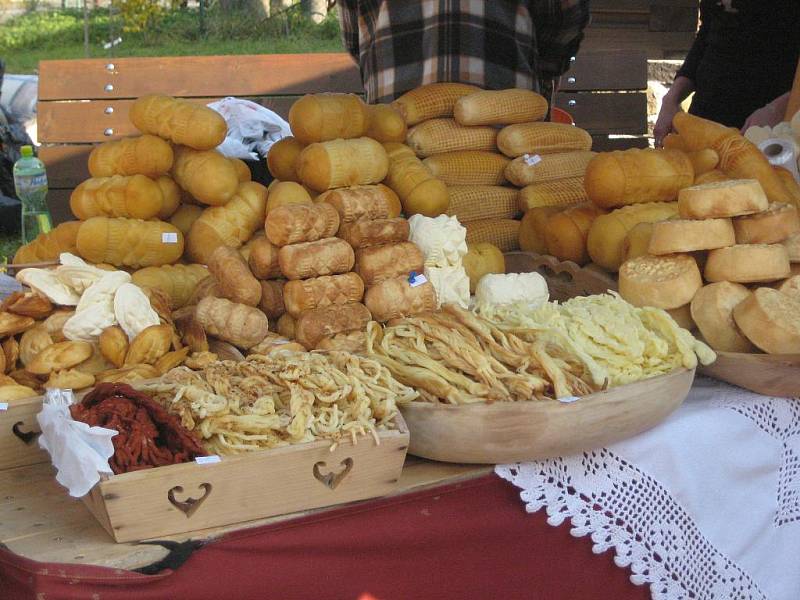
x,y
781,153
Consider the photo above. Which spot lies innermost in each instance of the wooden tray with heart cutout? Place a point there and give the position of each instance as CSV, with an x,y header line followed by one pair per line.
x,y
191,496
19,433
565,279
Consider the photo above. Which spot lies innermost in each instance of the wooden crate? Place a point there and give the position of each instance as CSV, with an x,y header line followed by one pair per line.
x,y
19,433
191,496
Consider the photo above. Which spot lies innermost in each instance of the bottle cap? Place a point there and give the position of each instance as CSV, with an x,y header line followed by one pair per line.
x,y
26,151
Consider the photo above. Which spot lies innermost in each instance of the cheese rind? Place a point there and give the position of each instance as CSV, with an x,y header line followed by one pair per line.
x,y
771,226
792,245
791,287
666,282
685,235
721,199
748,263
712,311
771,320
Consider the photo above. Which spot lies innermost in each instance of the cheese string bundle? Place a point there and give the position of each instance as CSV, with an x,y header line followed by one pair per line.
x,y
284,398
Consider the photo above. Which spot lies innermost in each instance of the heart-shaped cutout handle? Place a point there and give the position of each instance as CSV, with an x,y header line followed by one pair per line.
x,y
190,505
332,478
27,437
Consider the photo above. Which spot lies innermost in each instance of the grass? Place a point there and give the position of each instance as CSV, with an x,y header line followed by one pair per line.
x,y
27,39
8,246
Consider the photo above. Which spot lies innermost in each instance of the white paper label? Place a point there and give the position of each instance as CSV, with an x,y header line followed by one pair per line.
x,y
532,159
169,237
418,280
569,399
3,406
207,460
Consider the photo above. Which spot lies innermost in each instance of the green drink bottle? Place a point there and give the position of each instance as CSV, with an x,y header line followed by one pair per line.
x,y
30,183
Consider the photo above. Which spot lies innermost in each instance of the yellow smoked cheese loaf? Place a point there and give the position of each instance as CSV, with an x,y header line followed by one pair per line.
x,y
282,159
379,263
712,311
703,161
430,101
445,135
419,190
748,263
633,176
533,228
286,193
771,226
363,202
561,192
48,246
171,195
341,163
236,281
386,124
318,292
177,281
301,223
135,196
542,138
567,232
179,121
529,169
688,235
206,174
361,234
476,202
468,167
330,256
263,258
145,155
637,241
396,298
272,301
314,325
771,320
503,233
608,233
185,216
500,107
324,117
230,225
666,282
727,198
129,242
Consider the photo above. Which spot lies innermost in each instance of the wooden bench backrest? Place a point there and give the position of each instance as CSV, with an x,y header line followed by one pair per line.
x,y
84,102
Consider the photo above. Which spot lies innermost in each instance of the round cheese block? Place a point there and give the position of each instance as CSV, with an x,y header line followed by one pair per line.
x,y
748,263
661,281
771,320
637,241
791,287
712,310
685,235
792,245
722,199
773,225
682,316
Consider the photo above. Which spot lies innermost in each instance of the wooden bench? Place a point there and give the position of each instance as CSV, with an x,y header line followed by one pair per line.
x,y
84,102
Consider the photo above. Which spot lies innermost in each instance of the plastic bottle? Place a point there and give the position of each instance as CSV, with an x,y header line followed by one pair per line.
x,y
30,183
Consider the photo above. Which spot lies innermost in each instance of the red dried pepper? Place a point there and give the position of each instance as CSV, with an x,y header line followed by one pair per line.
x,y
148,435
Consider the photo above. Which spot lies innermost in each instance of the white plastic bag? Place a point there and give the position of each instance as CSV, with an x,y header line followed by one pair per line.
x,y
252,129
79,452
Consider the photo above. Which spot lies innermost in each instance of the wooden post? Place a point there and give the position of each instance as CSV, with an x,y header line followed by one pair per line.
x,y
86,28
794,96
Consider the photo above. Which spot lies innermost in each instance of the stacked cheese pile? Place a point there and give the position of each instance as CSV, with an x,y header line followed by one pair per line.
x,y
741,239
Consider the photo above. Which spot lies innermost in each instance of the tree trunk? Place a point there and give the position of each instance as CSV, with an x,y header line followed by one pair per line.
x,y
317,10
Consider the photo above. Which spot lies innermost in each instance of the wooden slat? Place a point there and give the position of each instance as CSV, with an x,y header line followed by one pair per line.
x,y
603,143
58,202
669,15
603,113
657,45
91,121
625,70
66,166
198,76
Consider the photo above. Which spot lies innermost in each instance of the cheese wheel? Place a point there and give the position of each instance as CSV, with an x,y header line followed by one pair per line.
x,y
771,320
792,245
637,241
748,263
712,311
661,281
682,316
773,225
566,232
722,199
684,235
791,287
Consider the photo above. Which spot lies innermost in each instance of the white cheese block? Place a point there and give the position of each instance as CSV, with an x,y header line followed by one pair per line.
x,y
451,285
511,288
442,240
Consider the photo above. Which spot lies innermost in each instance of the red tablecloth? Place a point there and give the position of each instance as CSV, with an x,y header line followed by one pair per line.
x,y
471,540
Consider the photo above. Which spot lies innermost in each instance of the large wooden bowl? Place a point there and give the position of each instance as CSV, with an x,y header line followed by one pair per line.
x,y
768,374
518,431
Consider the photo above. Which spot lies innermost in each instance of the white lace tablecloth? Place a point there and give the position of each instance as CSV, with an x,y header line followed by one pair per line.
x,y
704,506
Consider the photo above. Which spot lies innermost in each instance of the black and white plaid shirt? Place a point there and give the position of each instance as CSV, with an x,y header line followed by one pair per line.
x,y
495,44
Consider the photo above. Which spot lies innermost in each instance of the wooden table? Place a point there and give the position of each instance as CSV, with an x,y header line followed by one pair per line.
x,y
40,521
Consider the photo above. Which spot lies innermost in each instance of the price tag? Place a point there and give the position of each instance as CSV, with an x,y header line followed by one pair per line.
x,y
3,406
415,279
207,460
569,399
169,237
532,159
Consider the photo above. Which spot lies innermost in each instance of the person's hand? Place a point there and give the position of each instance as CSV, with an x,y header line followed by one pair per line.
x,y
766,116
669,108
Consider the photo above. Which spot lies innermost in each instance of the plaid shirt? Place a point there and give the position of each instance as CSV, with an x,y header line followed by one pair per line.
x,y
495,44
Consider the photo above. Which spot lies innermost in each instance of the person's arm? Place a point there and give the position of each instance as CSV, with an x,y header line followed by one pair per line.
x,y
768,115
683,85
348,22
559,26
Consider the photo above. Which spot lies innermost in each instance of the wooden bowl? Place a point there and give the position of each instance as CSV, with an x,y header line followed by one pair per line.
x,y
768,374
519,431
565,279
